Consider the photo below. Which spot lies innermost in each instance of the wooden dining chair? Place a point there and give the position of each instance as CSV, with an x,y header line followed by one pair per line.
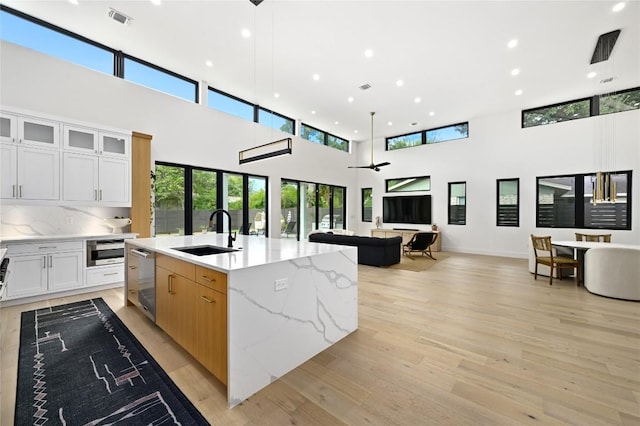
x,y
601,238
544,255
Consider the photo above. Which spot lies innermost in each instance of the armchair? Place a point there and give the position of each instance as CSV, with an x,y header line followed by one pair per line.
x,y
420,242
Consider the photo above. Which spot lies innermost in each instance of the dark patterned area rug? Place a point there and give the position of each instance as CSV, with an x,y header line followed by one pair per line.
x,y
80,365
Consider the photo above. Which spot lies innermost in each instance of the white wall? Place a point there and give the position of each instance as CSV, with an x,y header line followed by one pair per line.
x,y
498,148
183,132
187,133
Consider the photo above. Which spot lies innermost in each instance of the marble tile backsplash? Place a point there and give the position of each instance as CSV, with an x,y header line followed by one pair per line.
x,y
22,220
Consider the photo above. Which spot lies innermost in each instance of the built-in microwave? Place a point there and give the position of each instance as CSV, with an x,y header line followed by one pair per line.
x,y
105,252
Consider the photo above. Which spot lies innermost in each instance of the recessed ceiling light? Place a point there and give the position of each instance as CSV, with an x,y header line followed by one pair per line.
x,y
431,114
316,77
208,63
417,100
156,2
313,112
512,43
73,2
399,83
618,6
368,53
276,95
518,92
245,33
515,71
592,74
350,99
390,123
336,122
355,131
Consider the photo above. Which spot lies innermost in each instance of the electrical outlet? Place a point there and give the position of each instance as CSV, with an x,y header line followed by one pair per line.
x,y
281,284
68,220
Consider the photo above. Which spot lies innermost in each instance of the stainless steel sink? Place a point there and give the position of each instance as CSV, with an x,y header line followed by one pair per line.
x,y
204,250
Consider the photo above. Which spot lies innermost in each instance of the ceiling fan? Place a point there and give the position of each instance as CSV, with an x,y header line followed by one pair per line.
x,y
372,165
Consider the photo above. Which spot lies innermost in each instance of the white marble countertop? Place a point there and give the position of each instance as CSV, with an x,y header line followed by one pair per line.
x,y
38,238
256,251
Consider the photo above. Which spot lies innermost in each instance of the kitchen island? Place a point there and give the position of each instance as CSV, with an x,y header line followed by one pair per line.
x,y
286,301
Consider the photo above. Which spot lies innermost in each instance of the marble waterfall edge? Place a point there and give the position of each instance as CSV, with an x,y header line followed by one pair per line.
x,y
271,331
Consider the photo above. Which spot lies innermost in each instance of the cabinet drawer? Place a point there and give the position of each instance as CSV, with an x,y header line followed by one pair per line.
x,y
176,266
212,279
106,275
44,247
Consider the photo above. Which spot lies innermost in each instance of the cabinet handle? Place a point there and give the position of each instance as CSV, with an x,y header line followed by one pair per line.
x,y
19,191
50,261
13,191
110,273
100,198
207,300
170,284
46,247
207,279
95,194
132,267
44,262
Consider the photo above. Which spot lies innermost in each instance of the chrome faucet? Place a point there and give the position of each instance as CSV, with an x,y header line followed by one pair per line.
x,y
232,238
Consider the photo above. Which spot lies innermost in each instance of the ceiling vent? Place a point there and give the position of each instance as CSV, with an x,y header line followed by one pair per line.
x,y
365,86
118,16
604,46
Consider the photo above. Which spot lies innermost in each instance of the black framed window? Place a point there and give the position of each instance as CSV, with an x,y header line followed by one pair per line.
x,y
154,77
225,102
321,137
33,33
367,204
275,121
408,184
428,136
405,141
566,201
508,202
457,203
185,196
622,100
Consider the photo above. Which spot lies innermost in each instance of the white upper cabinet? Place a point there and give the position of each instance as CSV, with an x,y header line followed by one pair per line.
x,y
8,128
50,159
80,139
115,145
87,140
37,132
9,171
38,174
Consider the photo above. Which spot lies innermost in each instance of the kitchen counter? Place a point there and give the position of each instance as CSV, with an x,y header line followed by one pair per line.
x,y
2,253
255,251
287,301
36,238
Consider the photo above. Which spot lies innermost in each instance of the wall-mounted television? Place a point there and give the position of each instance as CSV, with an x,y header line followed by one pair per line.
x,y
407,209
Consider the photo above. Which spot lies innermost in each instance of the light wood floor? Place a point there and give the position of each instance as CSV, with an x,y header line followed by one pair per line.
x,y
473,340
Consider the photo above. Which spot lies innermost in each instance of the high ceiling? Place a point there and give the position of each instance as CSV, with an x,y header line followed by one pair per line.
x,y
453,55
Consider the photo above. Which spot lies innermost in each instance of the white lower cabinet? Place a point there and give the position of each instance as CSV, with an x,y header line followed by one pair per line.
x,y
28,276
99,275
46,267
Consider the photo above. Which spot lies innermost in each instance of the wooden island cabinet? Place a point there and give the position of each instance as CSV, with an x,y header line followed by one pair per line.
x,y
193,311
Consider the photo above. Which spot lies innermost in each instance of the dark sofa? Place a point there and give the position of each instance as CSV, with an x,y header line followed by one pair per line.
x,y
371,250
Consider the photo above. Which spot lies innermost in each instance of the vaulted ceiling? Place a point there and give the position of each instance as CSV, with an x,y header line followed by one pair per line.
x,y
452,55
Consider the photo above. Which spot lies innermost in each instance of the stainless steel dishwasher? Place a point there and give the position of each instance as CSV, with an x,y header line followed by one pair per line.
x,y
144,264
